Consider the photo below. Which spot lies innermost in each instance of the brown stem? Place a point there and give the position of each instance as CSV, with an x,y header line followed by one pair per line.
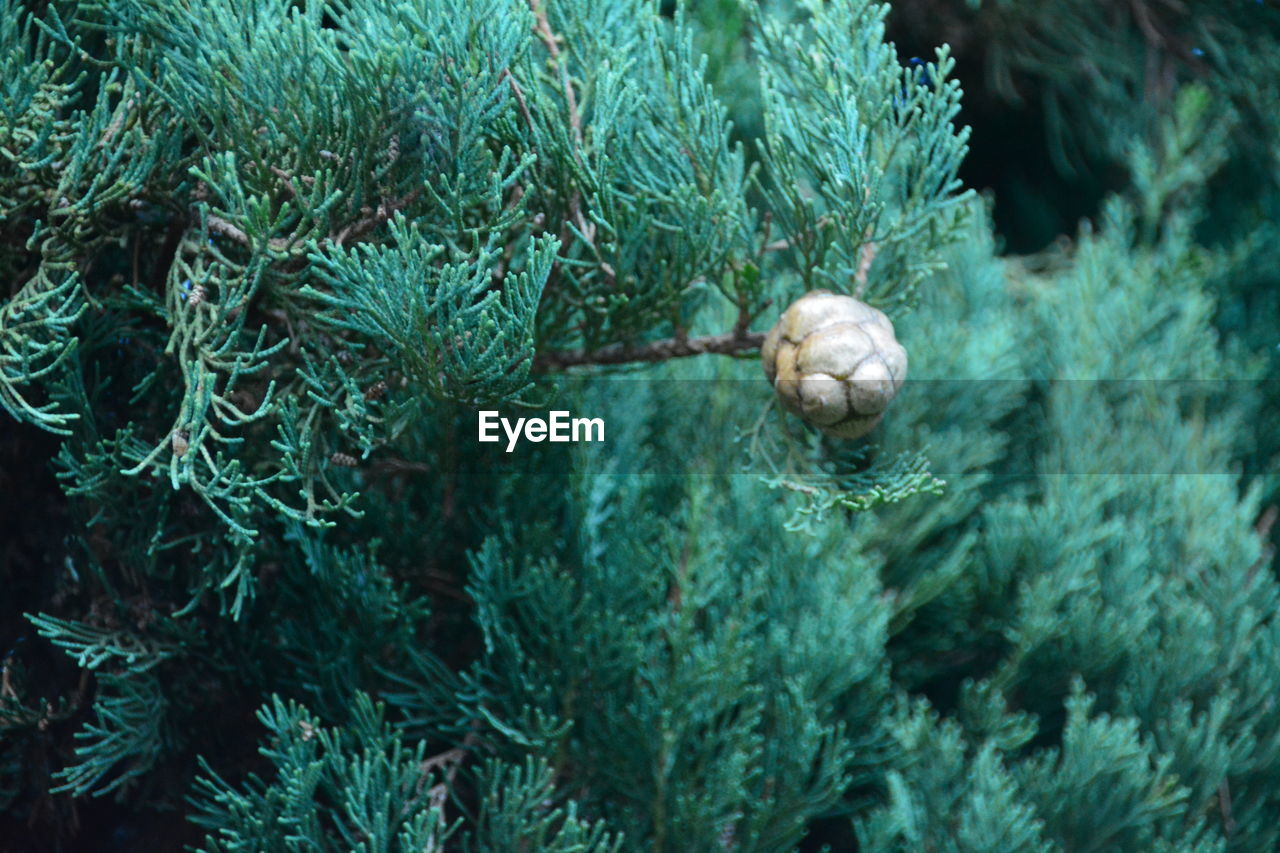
x,y
551,40
868,255
1224,804
519,93
1263,530
727,344
781,245
356,229
218,225
381,215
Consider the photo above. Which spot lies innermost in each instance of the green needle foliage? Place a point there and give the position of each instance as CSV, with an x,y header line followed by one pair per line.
x,y
262,264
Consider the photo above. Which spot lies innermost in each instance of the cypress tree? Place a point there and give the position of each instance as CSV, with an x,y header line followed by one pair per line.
x,y
268,269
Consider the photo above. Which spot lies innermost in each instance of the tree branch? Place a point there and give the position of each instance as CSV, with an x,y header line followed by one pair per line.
x,y
727,344
519,93
351,231
551,40
384,212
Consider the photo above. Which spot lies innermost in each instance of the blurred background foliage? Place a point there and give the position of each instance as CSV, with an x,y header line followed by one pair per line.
x,y
1071,644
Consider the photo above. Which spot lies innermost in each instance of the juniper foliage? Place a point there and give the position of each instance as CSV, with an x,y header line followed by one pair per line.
x,y
265,261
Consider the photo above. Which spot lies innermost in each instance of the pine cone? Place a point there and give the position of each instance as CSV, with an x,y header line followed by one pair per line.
x,y
834,362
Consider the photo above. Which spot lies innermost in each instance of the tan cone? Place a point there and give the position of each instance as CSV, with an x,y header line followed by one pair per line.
x,y
835,362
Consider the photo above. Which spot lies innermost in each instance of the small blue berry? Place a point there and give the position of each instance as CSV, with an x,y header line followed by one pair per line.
x,y
923,77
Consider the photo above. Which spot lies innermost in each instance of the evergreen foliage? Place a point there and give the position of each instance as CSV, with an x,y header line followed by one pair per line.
x,y
263,262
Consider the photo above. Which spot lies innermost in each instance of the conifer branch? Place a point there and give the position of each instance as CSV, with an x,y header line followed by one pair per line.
x,y
351,231
384,212
520,99
733,343
784,243
551,40
220,226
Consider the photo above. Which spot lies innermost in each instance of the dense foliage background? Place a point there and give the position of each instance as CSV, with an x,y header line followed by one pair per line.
x,y
261,262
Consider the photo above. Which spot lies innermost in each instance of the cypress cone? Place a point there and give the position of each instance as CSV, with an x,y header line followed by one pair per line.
x,y
834,361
